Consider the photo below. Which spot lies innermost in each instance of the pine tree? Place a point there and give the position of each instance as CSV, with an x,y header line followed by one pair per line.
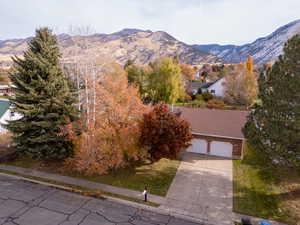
x,y
45,99
274,125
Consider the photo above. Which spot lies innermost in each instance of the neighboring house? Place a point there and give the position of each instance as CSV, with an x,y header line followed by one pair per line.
x,y
216,132
6,114
5,90
194,88
216,88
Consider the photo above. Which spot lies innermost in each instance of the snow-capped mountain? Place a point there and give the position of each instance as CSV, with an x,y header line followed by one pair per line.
x,y
263,50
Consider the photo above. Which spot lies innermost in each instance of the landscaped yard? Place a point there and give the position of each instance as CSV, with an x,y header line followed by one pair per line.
x,y
266,192
4,97
157,177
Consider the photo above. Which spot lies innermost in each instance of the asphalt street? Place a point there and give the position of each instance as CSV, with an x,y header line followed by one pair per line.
x,y
27,203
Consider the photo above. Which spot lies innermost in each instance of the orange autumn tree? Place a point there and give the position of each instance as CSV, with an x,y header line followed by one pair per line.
x,y
107,137
188,72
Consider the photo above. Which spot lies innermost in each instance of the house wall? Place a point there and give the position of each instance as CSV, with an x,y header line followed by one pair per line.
x,y
8,117
218,88
4,92
237,150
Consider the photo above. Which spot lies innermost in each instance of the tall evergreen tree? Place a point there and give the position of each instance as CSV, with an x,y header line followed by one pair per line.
x,y
274,125
45,99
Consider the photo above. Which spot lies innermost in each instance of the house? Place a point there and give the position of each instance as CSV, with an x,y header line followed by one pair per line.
x,y
194,88
216,88
6,90
216,132
6,114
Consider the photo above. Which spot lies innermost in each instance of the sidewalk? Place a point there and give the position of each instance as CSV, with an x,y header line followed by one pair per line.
x,y
83,183
181,219
126,192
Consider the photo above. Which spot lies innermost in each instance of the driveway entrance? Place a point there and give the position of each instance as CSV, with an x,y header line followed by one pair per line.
x,y
202,188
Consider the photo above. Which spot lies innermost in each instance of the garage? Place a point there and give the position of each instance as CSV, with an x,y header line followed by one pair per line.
x,y
215,132
198,146
220,148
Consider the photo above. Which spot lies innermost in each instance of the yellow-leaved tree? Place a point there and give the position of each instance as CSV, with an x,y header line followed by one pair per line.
x,y
241,86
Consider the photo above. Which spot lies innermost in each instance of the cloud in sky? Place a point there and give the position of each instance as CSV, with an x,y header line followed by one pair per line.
x,y
191,21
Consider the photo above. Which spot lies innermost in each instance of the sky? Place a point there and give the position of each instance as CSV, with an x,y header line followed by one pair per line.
x,y
190,21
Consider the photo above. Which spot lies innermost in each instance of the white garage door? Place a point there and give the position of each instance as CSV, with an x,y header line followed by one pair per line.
x,y
198,146
221,148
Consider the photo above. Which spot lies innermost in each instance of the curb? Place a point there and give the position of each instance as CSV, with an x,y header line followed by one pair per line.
x,y
81,182
255,220
120,201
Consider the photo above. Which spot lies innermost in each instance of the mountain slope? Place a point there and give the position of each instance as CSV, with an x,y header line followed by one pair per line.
x,y
142,46
263,49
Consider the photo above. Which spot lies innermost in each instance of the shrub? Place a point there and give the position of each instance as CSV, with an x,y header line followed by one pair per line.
x,y
193,104
207,96
199,97
185,98
188,98
198,104
217,104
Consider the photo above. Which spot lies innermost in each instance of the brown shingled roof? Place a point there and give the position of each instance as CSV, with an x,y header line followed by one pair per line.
x,y
226,123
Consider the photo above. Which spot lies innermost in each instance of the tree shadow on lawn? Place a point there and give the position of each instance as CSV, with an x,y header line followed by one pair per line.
x,y
274,175
257,160
268,206
272,188
258,203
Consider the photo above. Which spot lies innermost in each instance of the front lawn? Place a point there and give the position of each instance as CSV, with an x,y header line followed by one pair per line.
x,y
4,97
157,177
263,191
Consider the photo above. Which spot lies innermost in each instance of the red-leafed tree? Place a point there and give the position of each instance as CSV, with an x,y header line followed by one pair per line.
x,y
164,134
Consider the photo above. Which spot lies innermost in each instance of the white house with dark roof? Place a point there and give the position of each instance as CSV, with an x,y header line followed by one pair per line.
x,y
216,88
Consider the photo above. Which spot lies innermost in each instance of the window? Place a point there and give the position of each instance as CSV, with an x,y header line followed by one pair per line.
x,y
212,91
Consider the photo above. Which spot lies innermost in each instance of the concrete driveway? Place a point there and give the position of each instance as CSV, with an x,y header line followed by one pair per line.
x,y
202,188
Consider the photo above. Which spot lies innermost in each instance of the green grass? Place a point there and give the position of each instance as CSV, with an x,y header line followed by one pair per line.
x,y
157,177
82,190
257,188
4,97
